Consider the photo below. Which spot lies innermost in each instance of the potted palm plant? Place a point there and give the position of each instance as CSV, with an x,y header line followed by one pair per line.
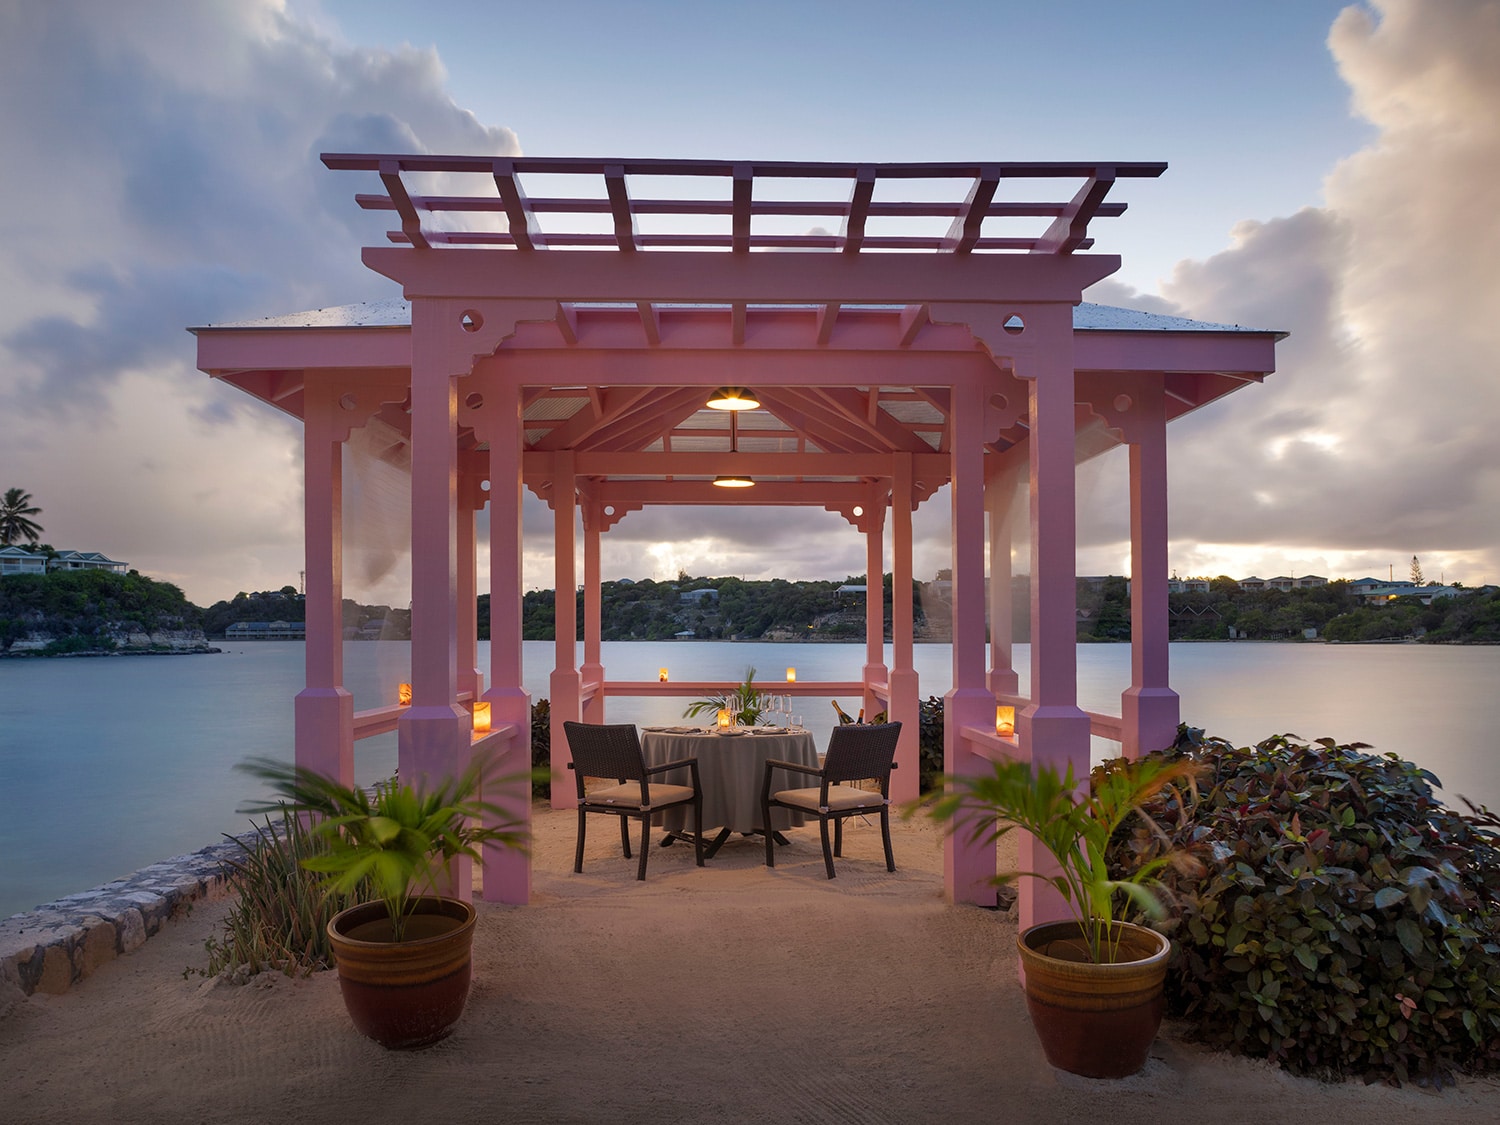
x,y
404,959
1093,982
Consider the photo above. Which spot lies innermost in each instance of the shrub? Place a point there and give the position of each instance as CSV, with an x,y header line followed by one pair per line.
x,y
1347,923
280,920
930,744
541,747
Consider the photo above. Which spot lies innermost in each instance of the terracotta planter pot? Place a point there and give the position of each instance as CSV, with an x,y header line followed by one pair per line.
x,y
408,993
1095,1020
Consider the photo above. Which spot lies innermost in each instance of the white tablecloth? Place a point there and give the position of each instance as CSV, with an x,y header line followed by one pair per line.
x,y
730,768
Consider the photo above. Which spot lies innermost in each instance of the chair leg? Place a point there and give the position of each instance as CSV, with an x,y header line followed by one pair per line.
x,y
885,832
765,820
625,835
698,823
838,837
645,844
827,852
583,819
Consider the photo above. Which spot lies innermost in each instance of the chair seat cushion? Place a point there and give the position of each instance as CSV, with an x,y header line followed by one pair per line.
x,y
629,795
840,797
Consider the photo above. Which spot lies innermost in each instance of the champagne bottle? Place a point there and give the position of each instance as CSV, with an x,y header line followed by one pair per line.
x,y
861,718
844,718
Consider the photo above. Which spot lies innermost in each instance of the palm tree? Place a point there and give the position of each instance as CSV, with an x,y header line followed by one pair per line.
x,y
14,524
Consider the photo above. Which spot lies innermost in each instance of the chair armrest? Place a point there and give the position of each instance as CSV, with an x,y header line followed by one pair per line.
x,y
779,764
675,763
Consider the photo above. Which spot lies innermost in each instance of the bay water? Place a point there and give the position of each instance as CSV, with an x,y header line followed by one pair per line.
x,y
108,764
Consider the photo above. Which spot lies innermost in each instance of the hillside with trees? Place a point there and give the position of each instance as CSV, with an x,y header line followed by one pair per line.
x,y
80,611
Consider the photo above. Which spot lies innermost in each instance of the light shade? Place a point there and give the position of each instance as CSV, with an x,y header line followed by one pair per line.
x,y
403,694
1005,720
661,674
733,482
724,717
481,717
733,398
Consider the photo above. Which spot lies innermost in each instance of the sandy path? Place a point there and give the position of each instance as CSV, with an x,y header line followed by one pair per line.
x,y
729,994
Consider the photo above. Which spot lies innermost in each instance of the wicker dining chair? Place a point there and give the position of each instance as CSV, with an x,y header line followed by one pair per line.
x,y
614,751
856,752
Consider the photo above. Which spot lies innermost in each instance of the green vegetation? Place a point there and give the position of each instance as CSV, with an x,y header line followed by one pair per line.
x,y
279,918
1346,924
89,610
710,609
15,522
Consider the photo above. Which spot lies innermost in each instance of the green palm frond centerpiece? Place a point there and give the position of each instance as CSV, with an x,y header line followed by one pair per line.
x,y
745,702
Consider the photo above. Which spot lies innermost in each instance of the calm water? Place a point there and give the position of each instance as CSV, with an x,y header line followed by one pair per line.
x,y
107,765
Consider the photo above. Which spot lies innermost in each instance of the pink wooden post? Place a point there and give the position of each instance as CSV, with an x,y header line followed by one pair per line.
x,y
507,874
324,710
999,497
968,866
874,670
593,663
470,500
1149,708
1053,727
434,733
564,681
905,689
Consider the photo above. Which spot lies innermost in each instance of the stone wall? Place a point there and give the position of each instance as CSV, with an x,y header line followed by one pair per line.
x,y
51,947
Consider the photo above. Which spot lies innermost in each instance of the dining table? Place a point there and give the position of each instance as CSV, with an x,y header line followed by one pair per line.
x,y
731,767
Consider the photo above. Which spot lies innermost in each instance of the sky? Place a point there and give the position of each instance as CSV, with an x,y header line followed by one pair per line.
x,y
1332,174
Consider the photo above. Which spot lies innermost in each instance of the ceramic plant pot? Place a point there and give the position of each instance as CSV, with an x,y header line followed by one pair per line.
x,y
1094,1020
408,993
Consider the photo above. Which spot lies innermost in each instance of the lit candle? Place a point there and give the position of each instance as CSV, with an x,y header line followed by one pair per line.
x,y
482,717
1005,721
791,675
662,675
403,694
724,717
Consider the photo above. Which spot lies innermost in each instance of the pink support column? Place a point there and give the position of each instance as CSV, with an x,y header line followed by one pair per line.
x,y
968,866
874,670
1053,728
434,733
565,679
507,874
470,500
999,495
905,689
1149,708
324,710
593,664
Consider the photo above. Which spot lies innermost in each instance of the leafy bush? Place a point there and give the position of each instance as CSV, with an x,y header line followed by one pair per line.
x,y
541,747
281,917
1347,924
930,743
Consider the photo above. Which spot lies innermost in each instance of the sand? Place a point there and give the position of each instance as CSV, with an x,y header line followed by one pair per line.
x,y
731,993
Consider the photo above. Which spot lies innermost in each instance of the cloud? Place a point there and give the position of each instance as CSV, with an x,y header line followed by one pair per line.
x,y
1374,439
161,171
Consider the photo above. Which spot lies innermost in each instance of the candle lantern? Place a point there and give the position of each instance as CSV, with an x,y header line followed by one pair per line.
x,y
791,675
662,675
403,694
1005,721
725,715
482,717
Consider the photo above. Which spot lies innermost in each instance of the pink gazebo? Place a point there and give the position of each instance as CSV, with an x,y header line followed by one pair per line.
x,y
564,323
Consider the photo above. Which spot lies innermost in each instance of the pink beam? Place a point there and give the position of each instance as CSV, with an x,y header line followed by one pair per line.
x,y
593,664
566,694
905,686
874,669
507,874
1000,503
1149,708
324,710
434,733
968,866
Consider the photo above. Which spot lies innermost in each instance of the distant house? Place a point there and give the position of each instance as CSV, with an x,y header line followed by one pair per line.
x,y
1252,583
1381,595
697,597
85,560
266,631
851,590
18,560
1283,582
1308,581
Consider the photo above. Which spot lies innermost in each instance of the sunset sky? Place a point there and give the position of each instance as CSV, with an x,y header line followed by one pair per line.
x,y
1332,173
